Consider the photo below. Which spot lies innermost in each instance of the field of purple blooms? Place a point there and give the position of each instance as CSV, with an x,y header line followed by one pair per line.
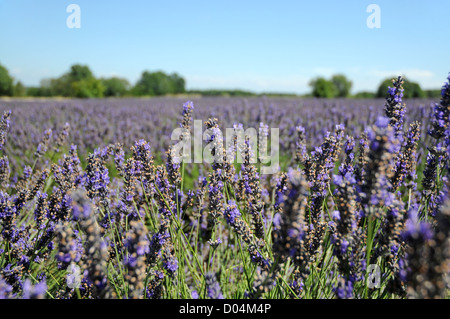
x,y
93,204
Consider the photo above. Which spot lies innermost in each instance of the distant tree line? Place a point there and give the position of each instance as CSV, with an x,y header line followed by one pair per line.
x,y
216,92
7,85
80,82
339,86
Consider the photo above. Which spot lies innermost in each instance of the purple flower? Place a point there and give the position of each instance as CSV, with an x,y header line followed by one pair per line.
x,y
5,289
232,212
417,230
194,294
335,214
441,114
34,292
344,289
171,265
394,108
212,286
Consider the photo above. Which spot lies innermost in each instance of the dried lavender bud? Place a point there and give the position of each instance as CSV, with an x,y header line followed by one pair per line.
x,y
96,179
263,283
289,221
347,165
4,127
405,159
144,160
257,258
394,108
362,158
41,210
94,260
234,219
119,157
313,239
215,197
59,206
200,196
374,190
300,149
173,168
189,202
157,242
4,172
318,167
388,237
164,191
251,183
70,247
297,283
434,160
68,173
12,276
188,109
137,245
22,189
214,243
62,137
170,262
130,175
44,144
346,236
425,276
154,287
441,113
38,183
215,142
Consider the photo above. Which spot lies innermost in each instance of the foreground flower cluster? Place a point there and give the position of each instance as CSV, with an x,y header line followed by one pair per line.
x,y
360,211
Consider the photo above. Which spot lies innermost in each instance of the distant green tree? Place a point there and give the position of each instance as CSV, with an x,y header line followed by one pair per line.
x,y
158,83
412,89
46,88
178,83
87,88
43,90
342,84
59,86
6,82
115,86
146,85
36,91
323,88
19,89
79,72
78,82
162,84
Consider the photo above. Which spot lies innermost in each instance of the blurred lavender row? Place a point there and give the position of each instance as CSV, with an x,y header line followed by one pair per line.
x,y
96,123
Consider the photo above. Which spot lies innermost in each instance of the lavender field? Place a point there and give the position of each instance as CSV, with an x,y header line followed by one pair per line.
x,y
93,205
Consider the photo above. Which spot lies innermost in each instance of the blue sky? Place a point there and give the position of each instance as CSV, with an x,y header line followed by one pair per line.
x,y
254,45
